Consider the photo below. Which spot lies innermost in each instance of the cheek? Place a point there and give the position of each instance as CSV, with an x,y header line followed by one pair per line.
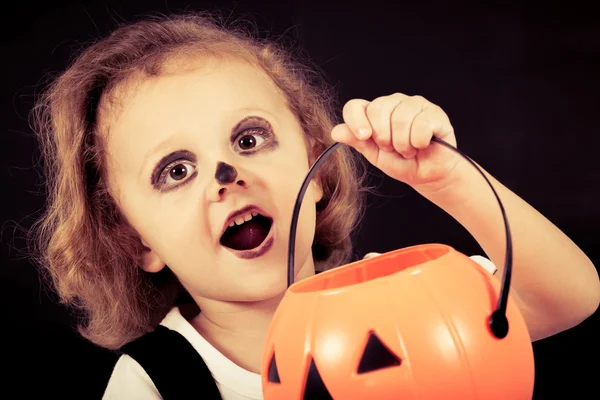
x,y
287,184
172,228
287,172
289,167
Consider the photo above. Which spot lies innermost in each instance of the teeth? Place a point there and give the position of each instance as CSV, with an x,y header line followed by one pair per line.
x,y
243,218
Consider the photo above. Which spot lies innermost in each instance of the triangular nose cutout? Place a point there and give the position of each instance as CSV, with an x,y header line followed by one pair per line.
x,y
273,372
376,356
315,388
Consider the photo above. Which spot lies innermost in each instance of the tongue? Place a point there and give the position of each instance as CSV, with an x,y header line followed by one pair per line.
x,y
246,236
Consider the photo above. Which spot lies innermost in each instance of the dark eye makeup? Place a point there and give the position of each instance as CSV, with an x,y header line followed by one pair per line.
x,y
249,136
168,162
253,134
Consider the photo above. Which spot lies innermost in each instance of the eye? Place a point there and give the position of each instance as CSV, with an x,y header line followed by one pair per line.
x,y
250,139
175,174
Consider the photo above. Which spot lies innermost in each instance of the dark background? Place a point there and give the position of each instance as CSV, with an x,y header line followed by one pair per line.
x,y
518,80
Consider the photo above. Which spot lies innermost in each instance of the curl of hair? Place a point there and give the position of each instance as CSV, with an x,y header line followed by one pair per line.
x,y
84,242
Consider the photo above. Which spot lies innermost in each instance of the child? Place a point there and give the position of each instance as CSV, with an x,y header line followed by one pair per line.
x,y
175,150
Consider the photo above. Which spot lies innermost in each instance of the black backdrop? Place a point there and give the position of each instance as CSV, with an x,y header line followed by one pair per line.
x,y
519,81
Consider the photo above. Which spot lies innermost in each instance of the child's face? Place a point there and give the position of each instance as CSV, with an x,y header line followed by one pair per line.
x,y
178,207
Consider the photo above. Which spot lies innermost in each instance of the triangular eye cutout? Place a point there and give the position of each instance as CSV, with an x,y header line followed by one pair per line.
x,y
315,388
273,372
376,356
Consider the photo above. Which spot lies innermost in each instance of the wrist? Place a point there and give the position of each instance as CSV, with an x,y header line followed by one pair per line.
x,y
454,187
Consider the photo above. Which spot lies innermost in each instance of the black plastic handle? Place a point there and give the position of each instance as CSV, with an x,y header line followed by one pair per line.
x,y
498,321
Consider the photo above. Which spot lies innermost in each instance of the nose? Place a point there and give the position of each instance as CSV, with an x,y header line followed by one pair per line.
x,y
227,178
225,173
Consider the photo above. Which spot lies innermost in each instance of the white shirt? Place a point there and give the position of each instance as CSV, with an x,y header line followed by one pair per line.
x,y
130,381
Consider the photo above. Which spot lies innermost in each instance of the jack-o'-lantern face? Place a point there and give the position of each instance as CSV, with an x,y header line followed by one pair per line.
x,y
409,324
375,356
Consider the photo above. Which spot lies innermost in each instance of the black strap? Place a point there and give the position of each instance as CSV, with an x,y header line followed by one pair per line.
x,y
173,364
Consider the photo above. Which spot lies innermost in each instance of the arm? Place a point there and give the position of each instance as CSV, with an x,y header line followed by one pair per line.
x,y
554,283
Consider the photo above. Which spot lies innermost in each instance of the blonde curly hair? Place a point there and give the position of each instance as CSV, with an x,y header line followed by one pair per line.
x,y
83,240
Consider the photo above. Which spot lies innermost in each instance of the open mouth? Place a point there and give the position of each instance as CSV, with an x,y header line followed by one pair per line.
x,y
247,231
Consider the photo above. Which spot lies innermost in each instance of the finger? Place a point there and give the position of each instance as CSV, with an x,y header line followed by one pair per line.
x,y
355,118
379,112
401,122
432,121
343,134
371,255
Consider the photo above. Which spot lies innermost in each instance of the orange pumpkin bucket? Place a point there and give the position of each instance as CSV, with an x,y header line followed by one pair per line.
x,y
415,323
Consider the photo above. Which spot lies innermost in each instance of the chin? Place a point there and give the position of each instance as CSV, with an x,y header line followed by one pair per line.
x,y
264,284
261,273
